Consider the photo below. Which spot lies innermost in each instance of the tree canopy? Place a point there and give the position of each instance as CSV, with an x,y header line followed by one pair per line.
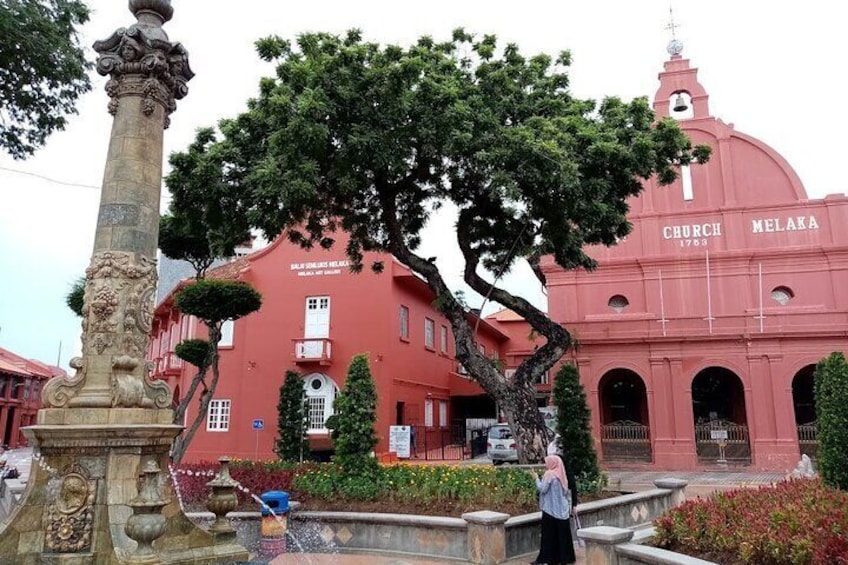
x,y
43,70
350,135
204,221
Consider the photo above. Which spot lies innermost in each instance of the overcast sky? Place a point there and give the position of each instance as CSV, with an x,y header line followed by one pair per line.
x,y
770,67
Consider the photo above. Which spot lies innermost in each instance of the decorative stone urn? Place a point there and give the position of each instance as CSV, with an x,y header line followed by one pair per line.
x,y
147,522
223,499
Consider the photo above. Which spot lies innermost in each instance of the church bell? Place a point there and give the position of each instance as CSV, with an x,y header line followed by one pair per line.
x,y
680,104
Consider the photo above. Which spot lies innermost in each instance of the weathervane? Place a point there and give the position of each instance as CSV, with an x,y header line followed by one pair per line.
x,y
675,46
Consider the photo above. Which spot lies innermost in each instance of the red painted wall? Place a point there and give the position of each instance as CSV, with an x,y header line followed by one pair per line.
x,y
364,318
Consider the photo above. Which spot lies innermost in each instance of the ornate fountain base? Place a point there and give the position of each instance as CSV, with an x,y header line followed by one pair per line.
x,y
75,508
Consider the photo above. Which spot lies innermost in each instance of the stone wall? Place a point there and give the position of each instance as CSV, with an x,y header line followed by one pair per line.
x,y
479,537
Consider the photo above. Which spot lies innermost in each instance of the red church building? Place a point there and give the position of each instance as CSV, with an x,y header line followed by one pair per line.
x,y
699,332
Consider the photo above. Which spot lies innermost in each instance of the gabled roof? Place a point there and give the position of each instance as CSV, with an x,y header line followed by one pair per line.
x,y
12,363
505,315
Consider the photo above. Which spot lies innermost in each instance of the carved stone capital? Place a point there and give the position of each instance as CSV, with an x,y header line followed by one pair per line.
x,y
117,314
142,62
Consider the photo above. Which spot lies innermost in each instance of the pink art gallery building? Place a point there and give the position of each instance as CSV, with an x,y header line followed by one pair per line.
x,y
699,333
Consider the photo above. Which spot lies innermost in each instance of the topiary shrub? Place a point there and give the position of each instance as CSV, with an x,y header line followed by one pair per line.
x,y
194,351
353,425
292,413
214,301
831,391
575,428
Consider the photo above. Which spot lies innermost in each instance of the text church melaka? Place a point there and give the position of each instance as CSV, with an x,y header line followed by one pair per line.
x,y
699,332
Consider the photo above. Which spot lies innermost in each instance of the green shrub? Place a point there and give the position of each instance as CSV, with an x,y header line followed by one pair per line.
x,y
194,351
575,429
292,413
420,485
353,425
831,390
75,299
214,301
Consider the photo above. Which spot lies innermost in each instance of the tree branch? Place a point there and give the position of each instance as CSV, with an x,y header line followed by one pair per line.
x,y
559,340
466,349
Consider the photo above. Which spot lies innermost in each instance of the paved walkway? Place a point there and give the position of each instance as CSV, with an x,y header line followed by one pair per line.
x,y
701,483
363,559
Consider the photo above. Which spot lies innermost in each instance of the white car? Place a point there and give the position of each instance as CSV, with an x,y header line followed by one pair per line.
x,y
500,445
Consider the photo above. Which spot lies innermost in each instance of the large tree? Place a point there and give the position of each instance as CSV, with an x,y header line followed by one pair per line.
x,y
350,135
43,70
203,225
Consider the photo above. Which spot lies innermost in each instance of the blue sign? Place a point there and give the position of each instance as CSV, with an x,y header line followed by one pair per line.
x,y
258,424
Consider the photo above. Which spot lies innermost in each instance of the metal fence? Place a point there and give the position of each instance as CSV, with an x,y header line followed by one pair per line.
x,y
625,440
432,443
722,441
808,440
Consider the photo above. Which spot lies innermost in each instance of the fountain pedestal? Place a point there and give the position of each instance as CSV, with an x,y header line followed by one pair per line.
x,y
78,498
104,426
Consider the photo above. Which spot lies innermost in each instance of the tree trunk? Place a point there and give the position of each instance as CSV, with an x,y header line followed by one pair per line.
x,y
526,422
516,396
182,405
182,441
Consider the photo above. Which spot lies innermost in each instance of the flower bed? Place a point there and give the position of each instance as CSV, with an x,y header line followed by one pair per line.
x,y
801,522
436,490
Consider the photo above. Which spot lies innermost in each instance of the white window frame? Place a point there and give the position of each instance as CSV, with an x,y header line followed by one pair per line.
x,y
228,330
218,415
326,392
429,333
428,413
443,339
404,322
443,413
321,303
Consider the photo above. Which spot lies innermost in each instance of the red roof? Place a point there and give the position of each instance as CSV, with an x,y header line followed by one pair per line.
x,y
14,364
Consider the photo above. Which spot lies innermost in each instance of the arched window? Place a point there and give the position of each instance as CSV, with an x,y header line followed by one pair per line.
x,y
320,394
782,295
618,303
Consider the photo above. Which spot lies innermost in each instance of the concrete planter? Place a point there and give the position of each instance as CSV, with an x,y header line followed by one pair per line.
x,y
483,537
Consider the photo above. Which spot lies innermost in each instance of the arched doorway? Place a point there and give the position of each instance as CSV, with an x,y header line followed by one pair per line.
x,y
804,401
721,423
625,435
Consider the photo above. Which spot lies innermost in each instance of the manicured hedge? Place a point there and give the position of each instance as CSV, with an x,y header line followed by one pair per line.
x,y
801,522
417,487
831,387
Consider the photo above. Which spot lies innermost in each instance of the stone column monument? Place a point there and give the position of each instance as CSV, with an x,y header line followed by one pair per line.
x,y
108,425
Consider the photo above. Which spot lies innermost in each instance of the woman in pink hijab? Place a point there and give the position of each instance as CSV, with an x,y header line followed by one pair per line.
x,y
557,498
